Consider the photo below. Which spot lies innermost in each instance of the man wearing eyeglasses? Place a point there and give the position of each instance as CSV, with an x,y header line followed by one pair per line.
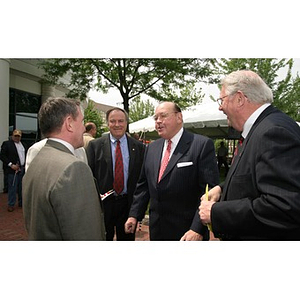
x,y
176,169
13,153
260,198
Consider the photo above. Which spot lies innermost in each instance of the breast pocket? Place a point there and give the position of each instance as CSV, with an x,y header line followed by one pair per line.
x,y
241,186
184,173
184,164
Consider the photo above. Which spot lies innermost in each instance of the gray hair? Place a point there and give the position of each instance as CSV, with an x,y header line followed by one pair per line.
x,y
250,83
53,113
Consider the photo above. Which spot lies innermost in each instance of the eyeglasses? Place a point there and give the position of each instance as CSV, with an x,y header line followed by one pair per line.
x,y
220,100
163,116
17,135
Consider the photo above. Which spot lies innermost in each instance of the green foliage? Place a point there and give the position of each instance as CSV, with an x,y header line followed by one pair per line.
x,y
162,79
139,109
92,115
286,91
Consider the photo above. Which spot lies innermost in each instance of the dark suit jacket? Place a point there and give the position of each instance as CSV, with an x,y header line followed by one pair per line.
x,y
100,160
9,154
60,198
175,199
261,194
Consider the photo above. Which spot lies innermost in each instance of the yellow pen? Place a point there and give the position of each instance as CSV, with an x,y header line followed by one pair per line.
x,y
206,196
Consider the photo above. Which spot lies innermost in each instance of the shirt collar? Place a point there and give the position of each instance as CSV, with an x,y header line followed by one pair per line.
x,y
175,139
68,145
113,139
251,120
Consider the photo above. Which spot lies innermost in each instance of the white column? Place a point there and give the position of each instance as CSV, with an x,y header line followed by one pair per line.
x,y
4,104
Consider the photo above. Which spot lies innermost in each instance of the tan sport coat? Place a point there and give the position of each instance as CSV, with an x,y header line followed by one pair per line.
x,y
60,198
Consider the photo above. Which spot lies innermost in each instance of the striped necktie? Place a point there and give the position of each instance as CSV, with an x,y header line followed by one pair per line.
x,y
165,160
119,172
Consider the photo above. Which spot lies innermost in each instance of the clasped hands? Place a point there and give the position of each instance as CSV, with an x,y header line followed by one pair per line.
x,y
205,206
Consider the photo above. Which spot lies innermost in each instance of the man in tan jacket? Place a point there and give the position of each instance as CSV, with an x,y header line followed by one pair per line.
x,y
61,201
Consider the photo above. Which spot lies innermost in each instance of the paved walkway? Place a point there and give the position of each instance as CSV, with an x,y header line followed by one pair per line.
x,y
12,224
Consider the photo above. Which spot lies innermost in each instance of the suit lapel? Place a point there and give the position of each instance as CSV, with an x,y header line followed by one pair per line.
x,y
107,154
182,147
132,156
16,155
157,153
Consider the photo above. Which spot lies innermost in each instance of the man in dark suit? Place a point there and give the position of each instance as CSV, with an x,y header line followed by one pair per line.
x,y
260,198
176,169
13,153
102,156
61,200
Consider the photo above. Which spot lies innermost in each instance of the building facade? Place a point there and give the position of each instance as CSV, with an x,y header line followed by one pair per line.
x,y
21,94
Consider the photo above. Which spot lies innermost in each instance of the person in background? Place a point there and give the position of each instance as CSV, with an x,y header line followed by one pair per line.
x,y
116,160
90,133
222,157
61,200
36,147
260,198
13,153
175,172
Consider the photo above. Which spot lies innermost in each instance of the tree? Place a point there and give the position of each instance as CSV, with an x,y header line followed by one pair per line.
x,y
91,114
286,91
162,79
139,109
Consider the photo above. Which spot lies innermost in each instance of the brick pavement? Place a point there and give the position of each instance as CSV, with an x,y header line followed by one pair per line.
x,y
12,224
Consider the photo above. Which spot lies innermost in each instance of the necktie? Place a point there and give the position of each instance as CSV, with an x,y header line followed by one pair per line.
x,y
119,172
238,148
165,160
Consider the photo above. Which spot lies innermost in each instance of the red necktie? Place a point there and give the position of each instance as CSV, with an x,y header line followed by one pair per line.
x,y
165,160
237,148
119,172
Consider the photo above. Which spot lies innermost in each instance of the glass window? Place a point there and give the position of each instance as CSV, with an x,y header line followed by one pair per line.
x,y
23,110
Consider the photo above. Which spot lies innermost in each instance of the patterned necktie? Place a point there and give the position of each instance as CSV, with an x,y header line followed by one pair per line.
x,y
165,160
119,172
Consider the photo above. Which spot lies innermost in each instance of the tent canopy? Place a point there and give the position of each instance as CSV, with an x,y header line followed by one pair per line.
x,y
205,119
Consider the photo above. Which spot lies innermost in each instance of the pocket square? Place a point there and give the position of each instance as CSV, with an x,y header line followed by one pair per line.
x,y
184,164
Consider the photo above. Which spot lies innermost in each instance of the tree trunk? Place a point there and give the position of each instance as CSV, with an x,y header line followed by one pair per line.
x,y
126,107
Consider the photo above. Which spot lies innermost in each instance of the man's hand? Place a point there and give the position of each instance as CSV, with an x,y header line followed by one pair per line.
x,y
130,225
15,167
205,211
214,194
191,236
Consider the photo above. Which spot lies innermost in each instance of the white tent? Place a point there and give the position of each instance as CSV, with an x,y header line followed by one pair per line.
x,y
204,119
144,125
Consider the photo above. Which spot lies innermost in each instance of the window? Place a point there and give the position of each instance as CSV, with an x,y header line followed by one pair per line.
x,y
23,110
